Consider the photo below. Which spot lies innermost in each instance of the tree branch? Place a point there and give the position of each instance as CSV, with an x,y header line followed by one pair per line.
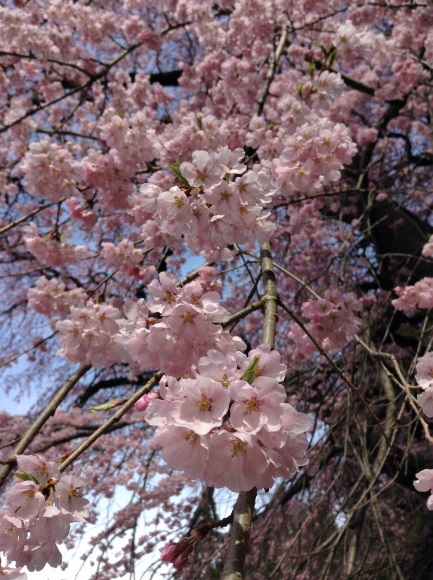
x,y
113,419
34,429
244,508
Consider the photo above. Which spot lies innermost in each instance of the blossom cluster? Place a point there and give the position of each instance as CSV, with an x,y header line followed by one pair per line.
x,y
125,257
131,140
312,156
218,204
352,41
177,552
42,507
171,331
427,250
89,334
324,88
50,171
49,250
424,378
333,322
228,423
419,295
184,325
81,212
51,298
131,143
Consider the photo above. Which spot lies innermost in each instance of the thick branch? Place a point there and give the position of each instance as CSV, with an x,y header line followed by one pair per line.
x,y
243,511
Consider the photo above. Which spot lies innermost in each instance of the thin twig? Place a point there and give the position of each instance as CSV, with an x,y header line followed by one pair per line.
x,y
29,215
113,419
34,429
341,374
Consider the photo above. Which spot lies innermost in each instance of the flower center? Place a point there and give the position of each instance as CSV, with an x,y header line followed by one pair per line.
x,y
191,437
253,405
178,202
205,404
224,381
201,174
238,447
188,317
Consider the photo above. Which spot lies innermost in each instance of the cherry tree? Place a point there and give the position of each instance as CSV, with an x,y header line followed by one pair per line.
x,y
217,273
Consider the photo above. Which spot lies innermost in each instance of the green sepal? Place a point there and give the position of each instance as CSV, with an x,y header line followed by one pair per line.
x,y
106,406
250,372
26,477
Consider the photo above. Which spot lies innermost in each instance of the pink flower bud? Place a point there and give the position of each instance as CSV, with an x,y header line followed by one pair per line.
x,y
143,403
177,553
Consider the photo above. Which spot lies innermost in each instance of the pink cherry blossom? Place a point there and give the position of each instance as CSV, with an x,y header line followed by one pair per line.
x,y
425,400
424,371
36,465
12,573
177,553
425,483
203,171
25,499
183,449
204,404
143,403
69,497
255,407
237,461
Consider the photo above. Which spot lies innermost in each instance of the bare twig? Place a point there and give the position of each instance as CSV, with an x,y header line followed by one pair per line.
x,y
34,429
111,421
342,376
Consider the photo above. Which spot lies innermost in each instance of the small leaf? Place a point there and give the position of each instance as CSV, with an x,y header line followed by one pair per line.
x,y
249,373
199,122
176,170
332,55
26,477
299,91
324,51
107,406
312,68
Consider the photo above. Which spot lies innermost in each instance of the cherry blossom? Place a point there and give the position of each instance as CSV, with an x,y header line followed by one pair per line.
x,y
33,526
290,148
219,428
425,483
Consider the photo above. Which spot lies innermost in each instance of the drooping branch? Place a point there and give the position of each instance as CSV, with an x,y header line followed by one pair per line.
x,y
342,376
111,421
34,429
272,68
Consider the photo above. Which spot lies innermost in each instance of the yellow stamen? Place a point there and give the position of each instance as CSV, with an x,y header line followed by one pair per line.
x,y
205,404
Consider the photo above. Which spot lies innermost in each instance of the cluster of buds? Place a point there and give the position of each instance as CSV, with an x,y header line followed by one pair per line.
x,y
177,553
